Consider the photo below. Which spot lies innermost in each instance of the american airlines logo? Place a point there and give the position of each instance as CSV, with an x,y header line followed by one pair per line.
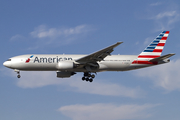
x,y
29,58
50,59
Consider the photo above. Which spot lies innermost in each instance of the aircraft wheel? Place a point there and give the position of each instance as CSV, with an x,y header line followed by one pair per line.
x,y
18,76
83,78
93,76
87,79
89,75
90,80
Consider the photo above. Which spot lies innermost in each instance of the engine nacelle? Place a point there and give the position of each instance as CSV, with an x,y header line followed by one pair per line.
x,y
65,65
64,74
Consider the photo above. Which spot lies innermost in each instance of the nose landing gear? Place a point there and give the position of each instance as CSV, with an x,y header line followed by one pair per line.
x,y
18,72
88,76
18,76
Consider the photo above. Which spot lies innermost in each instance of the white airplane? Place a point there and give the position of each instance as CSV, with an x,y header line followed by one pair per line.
x,y
102,60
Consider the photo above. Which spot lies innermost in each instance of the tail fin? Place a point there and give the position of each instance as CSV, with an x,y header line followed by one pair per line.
x,y
155,49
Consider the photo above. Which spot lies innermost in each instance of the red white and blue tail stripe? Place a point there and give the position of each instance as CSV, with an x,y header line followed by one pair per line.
x,y
153,50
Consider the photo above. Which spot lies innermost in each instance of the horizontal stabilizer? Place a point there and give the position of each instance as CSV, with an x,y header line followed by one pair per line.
x,y
162,57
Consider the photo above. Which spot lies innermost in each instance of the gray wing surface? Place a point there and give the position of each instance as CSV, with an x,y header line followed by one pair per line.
x,y
162,57
99,55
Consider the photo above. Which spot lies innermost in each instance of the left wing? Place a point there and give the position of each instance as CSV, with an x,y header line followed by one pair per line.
x,y
99,55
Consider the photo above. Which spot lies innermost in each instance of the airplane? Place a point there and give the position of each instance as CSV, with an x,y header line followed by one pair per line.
x,y
102,60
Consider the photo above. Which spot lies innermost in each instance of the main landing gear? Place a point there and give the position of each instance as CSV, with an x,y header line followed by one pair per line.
x,y
88,76
18,72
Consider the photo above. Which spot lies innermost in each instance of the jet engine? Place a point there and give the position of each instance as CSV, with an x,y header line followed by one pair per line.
x,y
64,74
65,65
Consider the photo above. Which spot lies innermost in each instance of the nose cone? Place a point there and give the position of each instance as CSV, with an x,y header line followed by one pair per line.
x,y
7,64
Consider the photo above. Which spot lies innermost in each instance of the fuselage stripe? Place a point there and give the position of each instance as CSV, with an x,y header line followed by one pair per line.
x,y
160,44
144,62
157,50
148,56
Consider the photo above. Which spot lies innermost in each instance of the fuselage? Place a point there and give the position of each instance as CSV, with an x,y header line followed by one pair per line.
x,y
102,60
49,62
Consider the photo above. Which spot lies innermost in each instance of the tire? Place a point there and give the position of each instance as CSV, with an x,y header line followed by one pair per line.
x,y
87,79
18,76
93,76
90,80
83,78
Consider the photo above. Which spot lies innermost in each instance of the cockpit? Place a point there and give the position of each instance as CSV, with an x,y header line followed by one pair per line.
x,y
8,60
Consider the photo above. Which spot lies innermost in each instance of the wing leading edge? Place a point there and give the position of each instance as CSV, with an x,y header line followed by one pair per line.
x,y
99,55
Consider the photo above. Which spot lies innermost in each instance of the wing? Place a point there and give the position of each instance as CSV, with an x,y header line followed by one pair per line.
x,y
99,55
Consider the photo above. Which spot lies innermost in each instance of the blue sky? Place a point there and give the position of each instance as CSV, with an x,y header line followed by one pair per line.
x,y
83,27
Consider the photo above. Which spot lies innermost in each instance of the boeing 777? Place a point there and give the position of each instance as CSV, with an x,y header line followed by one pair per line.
x,y
102,60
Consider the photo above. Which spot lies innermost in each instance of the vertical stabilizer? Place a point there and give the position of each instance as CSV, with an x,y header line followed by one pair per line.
x,y
156,47
153,50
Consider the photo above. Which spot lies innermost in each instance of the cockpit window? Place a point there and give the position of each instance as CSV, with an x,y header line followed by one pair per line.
x,y
9,60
